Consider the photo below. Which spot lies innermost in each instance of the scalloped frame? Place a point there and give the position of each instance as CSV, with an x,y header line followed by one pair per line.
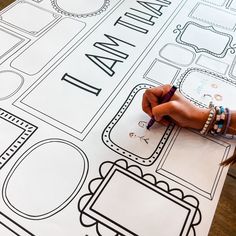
x,y
135,173
72,14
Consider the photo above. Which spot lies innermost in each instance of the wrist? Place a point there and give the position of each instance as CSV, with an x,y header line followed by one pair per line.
x,y
201,118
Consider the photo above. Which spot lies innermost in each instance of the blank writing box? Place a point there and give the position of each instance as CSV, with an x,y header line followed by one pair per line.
x,y
133,206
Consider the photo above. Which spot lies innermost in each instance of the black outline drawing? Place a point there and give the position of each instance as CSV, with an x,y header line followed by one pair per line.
x,y
72,131
27,130
134,173
187,183
106,135
99,11
211,9
172,78
54,18
229,5
73,194
12,226
15,89
80,84
217,68
22,42
94,123
177,61
81,134
46,43
214,2
183,77
232,69
198,49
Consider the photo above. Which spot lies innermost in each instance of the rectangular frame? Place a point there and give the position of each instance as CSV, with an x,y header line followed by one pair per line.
x,y
39,28
217,19
12,226
12,49
210,34
91,211
187,180
27,130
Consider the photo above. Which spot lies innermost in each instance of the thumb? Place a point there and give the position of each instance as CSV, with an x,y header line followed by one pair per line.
x,y
161,110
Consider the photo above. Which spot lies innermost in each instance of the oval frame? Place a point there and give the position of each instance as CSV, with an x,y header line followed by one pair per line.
x,y
63,204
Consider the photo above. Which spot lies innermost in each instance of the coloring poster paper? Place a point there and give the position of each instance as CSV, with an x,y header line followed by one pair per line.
x,y
75,155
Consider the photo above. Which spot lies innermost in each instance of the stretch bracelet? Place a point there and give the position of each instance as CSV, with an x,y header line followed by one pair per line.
x,y
209,120
219,120
211,123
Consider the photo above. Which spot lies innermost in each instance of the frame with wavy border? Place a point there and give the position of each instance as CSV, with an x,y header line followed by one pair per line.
x,y
90,216
228,47
72,14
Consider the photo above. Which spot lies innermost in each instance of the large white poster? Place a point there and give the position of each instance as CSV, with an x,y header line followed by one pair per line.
x,y
75,155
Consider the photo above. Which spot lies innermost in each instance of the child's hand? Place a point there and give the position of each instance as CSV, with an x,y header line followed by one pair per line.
x,y
179,109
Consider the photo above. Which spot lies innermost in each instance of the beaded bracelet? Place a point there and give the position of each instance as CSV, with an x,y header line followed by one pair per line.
x,y
219,120
209,120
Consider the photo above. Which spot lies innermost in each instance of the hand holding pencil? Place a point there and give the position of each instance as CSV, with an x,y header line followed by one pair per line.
x,y
165,98
178,109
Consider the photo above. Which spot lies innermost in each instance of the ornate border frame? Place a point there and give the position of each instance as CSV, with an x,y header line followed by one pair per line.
x,y
66,13
135,173
106,137
181,31
27,130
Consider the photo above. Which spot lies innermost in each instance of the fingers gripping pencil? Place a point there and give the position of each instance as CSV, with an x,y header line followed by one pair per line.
x,y
165,98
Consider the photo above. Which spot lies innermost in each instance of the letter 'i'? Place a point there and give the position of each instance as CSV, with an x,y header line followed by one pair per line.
x,y
80,84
